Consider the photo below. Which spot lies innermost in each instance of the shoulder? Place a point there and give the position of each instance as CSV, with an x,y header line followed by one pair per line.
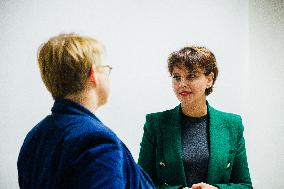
x,y
37,132
163,115
89,130
225,116
154,121
90,139
230,120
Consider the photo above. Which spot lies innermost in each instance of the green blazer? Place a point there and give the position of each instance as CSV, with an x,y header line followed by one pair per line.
x,y
161,151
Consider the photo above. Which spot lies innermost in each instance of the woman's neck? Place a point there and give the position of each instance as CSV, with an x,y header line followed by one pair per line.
x,y
196,109
86,98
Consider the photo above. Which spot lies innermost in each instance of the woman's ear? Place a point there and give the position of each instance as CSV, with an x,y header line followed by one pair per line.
x,y
210,79
93,76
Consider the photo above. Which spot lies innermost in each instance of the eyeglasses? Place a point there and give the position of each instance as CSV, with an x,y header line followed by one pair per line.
x,y
109,68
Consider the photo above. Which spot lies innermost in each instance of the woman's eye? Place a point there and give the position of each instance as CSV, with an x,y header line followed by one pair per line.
x,y
191,77
176,78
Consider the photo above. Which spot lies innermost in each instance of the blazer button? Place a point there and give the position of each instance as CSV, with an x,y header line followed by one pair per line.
x,y
228,165
162,164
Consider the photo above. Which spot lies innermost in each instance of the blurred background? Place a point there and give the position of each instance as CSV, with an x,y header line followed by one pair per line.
x,y
247,37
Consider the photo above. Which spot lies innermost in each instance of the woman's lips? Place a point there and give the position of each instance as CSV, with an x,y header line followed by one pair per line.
x,y
184,93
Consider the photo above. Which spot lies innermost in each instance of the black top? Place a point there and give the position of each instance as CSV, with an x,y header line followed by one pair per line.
x,y
195,148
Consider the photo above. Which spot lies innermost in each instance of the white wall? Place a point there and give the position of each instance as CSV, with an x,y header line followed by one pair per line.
x,y
265,94
139,35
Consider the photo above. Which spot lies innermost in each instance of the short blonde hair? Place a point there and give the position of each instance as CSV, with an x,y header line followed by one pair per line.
x,y
65,62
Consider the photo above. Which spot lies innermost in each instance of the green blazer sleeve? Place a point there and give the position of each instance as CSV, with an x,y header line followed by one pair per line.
x,y
239,177
148,154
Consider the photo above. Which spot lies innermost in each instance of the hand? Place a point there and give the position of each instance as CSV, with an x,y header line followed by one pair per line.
x,y
202,186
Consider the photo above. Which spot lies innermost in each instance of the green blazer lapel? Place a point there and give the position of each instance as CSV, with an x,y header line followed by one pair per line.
x,y
219,146
171,134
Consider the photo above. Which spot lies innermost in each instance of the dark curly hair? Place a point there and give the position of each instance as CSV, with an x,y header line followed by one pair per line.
x,y
193,58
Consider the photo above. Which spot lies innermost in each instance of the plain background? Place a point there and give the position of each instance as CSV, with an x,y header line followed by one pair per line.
x,y
246,37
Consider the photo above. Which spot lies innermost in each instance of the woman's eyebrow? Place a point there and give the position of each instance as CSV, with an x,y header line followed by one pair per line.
x,y
174,73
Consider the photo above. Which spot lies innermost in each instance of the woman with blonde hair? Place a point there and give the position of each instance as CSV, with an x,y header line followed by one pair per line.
x,y
71,147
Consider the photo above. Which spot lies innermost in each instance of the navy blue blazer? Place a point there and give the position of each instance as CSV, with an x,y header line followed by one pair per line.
x,y
72,148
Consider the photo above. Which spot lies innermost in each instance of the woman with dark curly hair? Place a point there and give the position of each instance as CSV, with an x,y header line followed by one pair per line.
x,y
194,145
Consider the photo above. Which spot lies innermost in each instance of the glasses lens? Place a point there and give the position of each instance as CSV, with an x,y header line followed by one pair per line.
x,y
108,68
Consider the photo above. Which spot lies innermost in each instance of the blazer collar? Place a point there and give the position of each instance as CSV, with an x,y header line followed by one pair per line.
x,y
172,148
219,144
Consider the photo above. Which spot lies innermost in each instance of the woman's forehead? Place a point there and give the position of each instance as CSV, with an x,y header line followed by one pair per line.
x,y
185,69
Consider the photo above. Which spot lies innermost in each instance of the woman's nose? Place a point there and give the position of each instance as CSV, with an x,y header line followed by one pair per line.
x,y
183,82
